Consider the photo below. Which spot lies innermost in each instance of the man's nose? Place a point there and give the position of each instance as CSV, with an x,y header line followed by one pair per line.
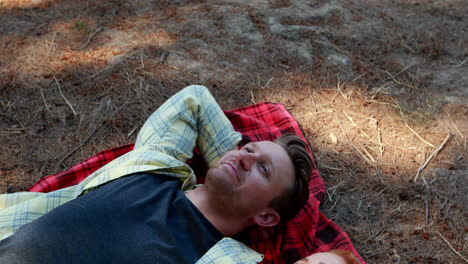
x,y
245,160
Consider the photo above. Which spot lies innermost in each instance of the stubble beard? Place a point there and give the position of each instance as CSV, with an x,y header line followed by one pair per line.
x,y
224,196
218,184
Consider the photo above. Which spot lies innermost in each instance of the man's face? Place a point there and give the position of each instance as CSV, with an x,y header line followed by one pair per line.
x,y
247,180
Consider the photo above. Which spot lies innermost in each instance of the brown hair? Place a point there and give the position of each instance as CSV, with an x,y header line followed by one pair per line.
x,y
291,201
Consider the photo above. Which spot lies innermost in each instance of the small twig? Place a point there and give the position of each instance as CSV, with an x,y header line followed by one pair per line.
x,y
131,132
359,206
367,136
338,86
408,210
452,191
396,257
75,149
380,192
268,82
406,46
283,65
382,148
445,202
448,243
425,182
328,44
329,197
43,99
333,205
367,152
432,156
406,68
60,90
342,94
89,39
359,77
376,92
7,116
453,123
334,187
463,62
427,212
360,153
349,143
401,83
398,106
10,132
414,132
52,44
313,100
350,118
252,96
380,230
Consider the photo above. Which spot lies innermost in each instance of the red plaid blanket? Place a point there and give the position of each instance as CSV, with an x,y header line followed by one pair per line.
x,y
307,233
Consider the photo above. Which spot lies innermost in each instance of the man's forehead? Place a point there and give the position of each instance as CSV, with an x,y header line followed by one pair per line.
x,y
264,143
269,147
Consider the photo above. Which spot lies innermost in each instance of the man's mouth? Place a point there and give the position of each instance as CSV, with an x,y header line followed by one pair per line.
x,y
233,172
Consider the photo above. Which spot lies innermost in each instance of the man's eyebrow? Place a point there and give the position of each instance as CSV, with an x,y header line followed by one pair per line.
x,y
268,157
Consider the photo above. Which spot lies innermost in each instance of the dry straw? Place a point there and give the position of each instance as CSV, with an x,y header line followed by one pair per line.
x,y
433,155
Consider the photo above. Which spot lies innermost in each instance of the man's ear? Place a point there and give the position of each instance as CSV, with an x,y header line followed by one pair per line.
x,y
267,218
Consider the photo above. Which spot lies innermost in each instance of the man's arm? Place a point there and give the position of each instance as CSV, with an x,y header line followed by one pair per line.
x,y
189,118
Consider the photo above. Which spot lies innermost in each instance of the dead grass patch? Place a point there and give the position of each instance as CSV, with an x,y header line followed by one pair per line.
x,y
369,152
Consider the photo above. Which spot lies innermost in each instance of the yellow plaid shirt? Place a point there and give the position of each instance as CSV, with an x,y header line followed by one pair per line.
x,y
166,141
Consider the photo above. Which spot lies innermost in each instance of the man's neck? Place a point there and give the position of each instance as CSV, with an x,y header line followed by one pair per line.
x,y
228,225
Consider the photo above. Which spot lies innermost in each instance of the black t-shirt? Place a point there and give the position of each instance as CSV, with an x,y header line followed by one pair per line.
x,y
141,218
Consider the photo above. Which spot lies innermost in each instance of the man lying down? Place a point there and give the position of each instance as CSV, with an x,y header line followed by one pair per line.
x,y
145,207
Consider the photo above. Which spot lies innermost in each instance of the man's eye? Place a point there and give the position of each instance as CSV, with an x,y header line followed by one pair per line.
x,y
264,169
248,150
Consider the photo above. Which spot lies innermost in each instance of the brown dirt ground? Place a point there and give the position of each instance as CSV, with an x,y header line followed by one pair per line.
x,y
376,85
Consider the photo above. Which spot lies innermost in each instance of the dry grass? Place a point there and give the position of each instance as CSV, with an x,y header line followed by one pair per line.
x,y
372,123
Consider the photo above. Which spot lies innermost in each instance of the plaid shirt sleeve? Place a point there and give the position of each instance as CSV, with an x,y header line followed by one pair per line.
x,y
229,250
166,141
191,117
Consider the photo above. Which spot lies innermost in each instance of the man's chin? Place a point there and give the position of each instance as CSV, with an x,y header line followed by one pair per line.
x,y
219,183
223,174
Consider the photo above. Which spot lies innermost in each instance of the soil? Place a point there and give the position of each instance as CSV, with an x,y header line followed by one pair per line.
x,y
379,88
